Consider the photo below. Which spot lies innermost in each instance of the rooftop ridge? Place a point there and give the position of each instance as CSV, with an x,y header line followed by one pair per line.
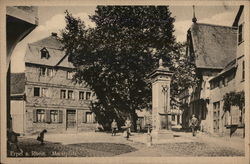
x,y
49,38
215,25
59,48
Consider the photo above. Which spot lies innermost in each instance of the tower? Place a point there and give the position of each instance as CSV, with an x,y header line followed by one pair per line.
x,y
194,20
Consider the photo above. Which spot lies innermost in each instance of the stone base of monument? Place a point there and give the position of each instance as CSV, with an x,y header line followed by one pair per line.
x,y
161,135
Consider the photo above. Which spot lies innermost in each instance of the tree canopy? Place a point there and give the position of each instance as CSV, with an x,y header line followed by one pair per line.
x,y
115,57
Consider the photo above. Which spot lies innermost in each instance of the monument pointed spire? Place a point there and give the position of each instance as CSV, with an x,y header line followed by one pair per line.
x,y
194,20
160,63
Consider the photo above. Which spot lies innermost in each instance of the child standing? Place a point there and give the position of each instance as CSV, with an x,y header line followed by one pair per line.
x,y
114,127
128,126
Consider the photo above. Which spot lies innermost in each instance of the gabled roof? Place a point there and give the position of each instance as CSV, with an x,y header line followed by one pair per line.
x,y
237,18
52,42
214,46
53,46
229,67
17,83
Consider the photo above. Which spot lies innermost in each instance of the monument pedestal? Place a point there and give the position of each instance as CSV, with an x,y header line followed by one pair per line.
x,y
161,116
162,135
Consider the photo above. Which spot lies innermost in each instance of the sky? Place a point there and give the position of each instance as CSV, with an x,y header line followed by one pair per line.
x,y
51,19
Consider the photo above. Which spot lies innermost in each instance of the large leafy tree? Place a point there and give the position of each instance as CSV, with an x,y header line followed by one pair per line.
x,y
115,57
184,72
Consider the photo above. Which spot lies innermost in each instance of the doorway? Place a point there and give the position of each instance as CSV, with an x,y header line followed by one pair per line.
x,y
71,119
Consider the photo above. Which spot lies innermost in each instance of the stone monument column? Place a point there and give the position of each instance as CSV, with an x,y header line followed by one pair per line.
x,y
161,116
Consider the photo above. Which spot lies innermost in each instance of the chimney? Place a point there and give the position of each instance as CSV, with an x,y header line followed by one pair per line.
x,y
54,34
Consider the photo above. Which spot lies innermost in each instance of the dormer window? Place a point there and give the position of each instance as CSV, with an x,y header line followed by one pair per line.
x,y
44,53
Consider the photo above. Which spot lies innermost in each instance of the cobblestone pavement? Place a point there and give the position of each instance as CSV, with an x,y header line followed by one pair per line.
x,y
183,144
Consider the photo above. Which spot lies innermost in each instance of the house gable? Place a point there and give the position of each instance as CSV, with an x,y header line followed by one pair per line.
x,y
214,46
48,52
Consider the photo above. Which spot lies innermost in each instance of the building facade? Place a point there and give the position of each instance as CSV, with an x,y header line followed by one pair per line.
x,y
53,101
218,54
230,80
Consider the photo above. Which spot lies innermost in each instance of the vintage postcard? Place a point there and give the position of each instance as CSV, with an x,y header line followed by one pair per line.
x,y
134,82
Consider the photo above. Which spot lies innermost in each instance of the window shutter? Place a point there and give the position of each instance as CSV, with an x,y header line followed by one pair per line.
x,y
60,116
94,118
34,116
84,119
47,116
235,115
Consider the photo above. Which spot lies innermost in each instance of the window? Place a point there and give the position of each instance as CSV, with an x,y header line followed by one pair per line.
x,y
36,91
54,116
240,34
70,94
214,114
211,85
47,116
217,84
63,94
235,115
40,92
243,70
173,117
44,92
81,95
90,117
42,71
40,115
221,83
226,81
44,53
231,77
88,94
70,75
216,105
49,72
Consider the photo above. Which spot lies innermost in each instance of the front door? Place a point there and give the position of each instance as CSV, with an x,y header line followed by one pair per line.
x,y
71,119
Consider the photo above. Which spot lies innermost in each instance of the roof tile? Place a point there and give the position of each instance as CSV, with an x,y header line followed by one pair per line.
x,y
214,46
54,47
17,83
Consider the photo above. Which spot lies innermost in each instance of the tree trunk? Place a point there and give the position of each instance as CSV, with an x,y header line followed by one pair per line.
x,y
133,120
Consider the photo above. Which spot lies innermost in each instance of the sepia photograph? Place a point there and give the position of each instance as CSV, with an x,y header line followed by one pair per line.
x,y
104,80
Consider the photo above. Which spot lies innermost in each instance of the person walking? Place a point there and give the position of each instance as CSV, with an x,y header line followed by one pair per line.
x,y
41,136
114,127
128,126
138,125
194,124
